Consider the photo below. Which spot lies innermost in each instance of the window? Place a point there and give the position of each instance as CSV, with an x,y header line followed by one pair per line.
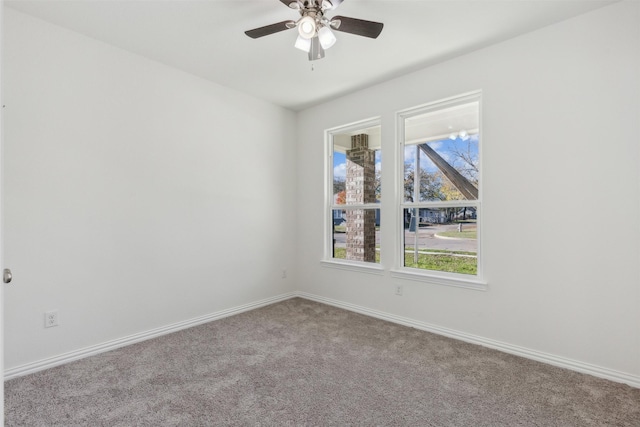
x,y
353,172
439,170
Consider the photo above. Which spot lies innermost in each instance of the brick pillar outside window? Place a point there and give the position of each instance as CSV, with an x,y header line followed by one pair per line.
x,y
360,188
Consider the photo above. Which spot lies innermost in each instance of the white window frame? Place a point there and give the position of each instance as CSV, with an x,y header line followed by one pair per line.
x,y
328,260
476,282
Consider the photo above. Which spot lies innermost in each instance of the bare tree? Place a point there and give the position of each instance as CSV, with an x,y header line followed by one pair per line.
x,y
465,160
430,185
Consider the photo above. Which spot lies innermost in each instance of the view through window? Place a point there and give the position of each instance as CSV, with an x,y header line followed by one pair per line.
x,y
441,177
355,200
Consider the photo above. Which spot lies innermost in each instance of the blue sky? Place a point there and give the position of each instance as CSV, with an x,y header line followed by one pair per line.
x,y
340,163
443,147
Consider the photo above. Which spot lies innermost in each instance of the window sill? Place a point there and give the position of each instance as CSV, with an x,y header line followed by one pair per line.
x,y
459,282
362,267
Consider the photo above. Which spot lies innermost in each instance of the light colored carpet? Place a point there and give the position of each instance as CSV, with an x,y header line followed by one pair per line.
x,y
300,363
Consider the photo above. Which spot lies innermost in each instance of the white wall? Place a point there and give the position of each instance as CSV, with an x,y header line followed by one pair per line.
x,y
561,109
130,201
136,195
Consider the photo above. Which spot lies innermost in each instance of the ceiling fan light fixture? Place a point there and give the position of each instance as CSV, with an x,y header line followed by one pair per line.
x,y
303,44
315,30
327,38
307,27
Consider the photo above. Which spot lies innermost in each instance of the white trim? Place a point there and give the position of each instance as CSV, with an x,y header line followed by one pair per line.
x,y
61,359
441,204
2,228
361,267
355,126
478,281
562,362
439,104
354,207
429,276
574,365
328,187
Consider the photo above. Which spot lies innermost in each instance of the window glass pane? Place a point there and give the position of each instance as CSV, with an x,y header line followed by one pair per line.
x,y
355,170
356,165
446,170
339,178
441,239
441,154
356,234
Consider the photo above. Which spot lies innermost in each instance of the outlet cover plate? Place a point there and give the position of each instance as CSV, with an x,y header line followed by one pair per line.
x,y
51,318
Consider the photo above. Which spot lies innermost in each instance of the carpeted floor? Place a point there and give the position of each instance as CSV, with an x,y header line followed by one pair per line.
x,y
300,363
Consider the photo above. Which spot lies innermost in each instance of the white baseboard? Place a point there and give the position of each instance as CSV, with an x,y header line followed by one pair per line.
x,y
135,338
574,365
562,362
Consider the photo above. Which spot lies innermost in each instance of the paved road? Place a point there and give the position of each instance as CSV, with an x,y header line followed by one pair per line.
x,y
427,239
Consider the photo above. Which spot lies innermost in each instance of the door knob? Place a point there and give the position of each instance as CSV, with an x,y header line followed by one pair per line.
x,y
7,276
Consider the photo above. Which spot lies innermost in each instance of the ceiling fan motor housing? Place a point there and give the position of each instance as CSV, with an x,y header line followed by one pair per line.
x,y
307,4
312,18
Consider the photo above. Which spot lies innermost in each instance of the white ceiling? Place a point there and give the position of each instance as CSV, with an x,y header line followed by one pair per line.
x,y
206,38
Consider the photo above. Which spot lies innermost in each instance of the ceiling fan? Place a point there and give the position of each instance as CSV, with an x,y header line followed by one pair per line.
x,y
314,28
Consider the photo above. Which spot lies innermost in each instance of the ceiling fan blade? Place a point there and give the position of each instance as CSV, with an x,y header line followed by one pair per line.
x,y
316,51
270,29
334,3
359,27
293,4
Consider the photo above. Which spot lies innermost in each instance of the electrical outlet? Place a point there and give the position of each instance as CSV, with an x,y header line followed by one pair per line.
x,y
398,289
51,318
284,274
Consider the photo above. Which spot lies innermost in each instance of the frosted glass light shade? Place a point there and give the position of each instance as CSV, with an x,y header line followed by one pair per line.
x,y
307,27
303,44
327,38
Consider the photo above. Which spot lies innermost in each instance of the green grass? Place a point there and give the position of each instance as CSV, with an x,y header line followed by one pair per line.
x,y
464,234
443,251
341,253
444,262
